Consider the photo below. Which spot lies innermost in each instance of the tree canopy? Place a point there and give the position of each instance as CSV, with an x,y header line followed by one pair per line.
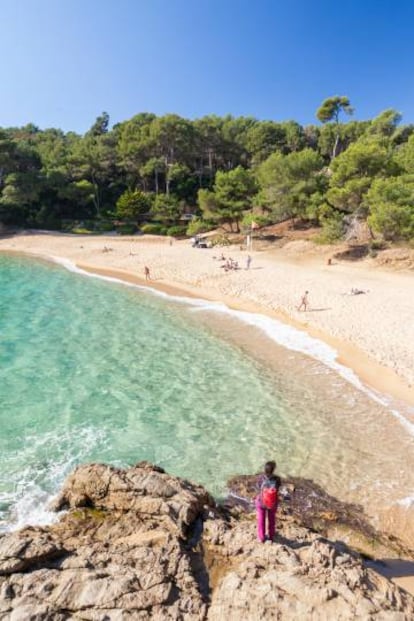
x,y
223,170
330,110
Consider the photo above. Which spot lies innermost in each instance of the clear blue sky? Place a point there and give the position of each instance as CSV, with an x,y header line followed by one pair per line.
x,y
65,61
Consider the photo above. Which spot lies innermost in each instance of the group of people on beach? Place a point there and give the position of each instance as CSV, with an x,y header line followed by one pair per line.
x,y
231,264
227,263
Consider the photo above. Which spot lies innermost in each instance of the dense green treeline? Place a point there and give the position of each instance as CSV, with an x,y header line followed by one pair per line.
x,y
153,172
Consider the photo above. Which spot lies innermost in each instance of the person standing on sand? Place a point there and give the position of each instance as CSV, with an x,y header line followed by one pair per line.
x,y
248,262
304,302
266,502
147,273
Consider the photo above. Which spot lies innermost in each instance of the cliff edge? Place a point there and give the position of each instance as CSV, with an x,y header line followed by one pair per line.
x,y
138,543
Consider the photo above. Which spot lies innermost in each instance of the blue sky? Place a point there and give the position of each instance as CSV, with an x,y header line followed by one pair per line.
x,y
65,61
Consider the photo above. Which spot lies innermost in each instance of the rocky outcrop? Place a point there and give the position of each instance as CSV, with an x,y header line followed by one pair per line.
x,y
307,504
140,544
303,576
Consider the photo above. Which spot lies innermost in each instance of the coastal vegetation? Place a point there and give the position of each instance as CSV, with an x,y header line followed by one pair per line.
x,y
170,175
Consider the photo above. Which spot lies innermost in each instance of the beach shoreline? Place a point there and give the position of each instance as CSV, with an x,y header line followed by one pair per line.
x,y
381,379
173,274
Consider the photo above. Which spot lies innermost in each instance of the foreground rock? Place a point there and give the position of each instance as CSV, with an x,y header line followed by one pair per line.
x,y
307,504
132,546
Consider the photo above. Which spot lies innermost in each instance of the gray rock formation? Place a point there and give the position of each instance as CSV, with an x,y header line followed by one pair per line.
x,y
131,545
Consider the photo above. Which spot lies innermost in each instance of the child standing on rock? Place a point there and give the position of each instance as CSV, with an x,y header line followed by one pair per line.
x,y
267,501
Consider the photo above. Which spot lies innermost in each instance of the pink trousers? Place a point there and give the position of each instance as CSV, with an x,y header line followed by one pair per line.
x,y
261,521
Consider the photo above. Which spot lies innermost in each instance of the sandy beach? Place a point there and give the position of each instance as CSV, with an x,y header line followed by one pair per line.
x,y
373,332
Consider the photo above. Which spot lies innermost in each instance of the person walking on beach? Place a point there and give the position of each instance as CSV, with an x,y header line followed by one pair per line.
x,y
266,502
304,302
248,262
147,273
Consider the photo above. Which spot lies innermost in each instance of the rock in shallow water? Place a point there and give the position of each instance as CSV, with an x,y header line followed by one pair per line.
x,y
131,547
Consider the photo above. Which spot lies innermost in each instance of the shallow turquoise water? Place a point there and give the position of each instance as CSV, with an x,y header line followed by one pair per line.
x,y
97,371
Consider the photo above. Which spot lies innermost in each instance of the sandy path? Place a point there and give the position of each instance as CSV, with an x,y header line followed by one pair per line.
x,y
374,333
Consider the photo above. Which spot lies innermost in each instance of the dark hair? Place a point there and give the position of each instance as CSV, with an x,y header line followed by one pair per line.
x,y
270,467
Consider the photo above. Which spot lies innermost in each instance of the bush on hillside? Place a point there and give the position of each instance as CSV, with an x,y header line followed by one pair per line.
x,y
133,203
250,218
197,226
78,230
104,226
154,228
332,230
126,229
179,230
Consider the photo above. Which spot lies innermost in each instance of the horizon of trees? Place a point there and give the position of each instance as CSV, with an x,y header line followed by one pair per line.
x,y
152,171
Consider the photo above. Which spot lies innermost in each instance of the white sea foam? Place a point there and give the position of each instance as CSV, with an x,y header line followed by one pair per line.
x,y
282,334
32,509
36,475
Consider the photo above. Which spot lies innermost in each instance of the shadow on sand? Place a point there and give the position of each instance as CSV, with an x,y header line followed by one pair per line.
x,y
393,567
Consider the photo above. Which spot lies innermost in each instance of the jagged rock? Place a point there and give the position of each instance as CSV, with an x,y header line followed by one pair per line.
x,y
145,490
119,552
301,576
308,505
132,546
19,553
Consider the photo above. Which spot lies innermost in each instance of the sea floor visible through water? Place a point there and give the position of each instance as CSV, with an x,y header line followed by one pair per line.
x,y
94,370
355,442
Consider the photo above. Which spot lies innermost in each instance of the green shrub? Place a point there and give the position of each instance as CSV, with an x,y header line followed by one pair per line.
x,y
393,221
81,231
179,230
332,230
248,218
377,244
154,228
133,203
391,205
220,240
197,226
126,229
104,226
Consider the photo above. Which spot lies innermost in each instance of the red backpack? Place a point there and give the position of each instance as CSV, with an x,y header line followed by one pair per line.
x,y
268,494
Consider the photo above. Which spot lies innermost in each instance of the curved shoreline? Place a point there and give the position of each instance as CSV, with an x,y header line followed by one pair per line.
x,y
255,337
376,377
372,374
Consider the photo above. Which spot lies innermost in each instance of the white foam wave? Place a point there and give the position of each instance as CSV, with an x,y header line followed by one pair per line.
x,y
32,509
36,474
282,334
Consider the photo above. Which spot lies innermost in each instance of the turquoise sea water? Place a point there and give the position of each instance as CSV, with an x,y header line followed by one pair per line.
x,y
98,371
